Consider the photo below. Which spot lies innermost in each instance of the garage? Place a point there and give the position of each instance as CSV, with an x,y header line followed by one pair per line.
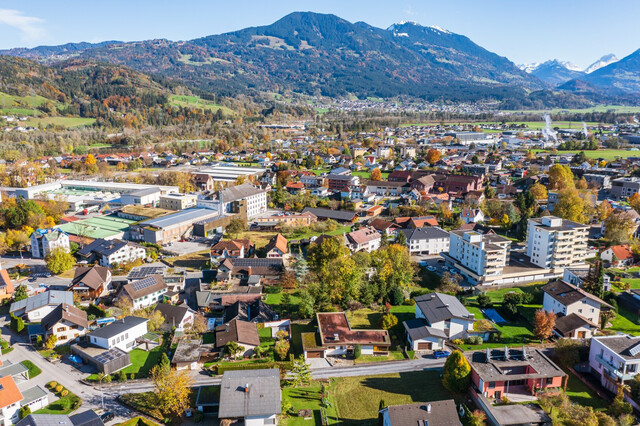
x,y
424,346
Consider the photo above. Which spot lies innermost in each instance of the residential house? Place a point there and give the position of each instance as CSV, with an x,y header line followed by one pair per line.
x,y
472,215
428,240
421,221
286,219
110,252
66,322
253,311
87,418
12,399
180,316
422,414
336,337
146,291
497,373
244,333
384,227
364,239
252,396
578,311
121,334
444,312
277,247
203,181
618,256
38,306
614,360
231,248
6,285
91,282
252,270
342,216
44,241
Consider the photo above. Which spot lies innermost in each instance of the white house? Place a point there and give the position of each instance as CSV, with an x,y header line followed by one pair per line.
x,y
445,313
121,334
43,241
110,252
472,215
179,317
256,199
145,292
614,359
364,239
421,337
620,255
66,322
12,399
36,307
578,311
427,240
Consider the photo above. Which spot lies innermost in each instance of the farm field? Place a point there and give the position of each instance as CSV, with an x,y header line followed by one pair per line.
x,y
197,102
61,121
606,154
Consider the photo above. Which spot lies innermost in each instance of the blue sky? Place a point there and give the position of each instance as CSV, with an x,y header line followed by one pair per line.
x,y
523,31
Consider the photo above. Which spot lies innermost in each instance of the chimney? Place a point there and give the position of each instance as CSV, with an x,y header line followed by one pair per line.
x,y
428,408
246,388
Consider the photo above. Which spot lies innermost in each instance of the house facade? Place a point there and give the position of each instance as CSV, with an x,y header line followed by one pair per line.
x,y
66,322
445,313
615,360
120,334
44,241
146,291
427,240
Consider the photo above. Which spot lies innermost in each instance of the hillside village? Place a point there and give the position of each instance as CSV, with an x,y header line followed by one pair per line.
x,y
292,273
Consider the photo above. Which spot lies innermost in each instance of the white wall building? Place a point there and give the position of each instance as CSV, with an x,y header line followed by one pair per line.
x,y
614,359
479,255
555,243
121,334
44,241
446,313
255,197
427,240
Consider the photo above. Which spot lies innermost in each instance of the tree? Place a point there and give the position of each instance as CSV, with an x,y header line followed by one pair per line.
x,y
477,418
233,349
156,320
320,255
619,407
570,206
59,260
619,228
483,300
124,304
456,374
401,238
449,283
16,324
594,281
560,177
17,239
376,174
543,324
301,268
24,412
433,156
90,160
396,296
300,372
236,226
388,321
634,202
172,390
51,342
281,348
21,293
199,325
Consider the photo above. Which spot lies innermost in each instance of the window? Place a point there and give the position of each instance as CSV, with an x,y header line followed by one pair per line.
x,y
549,380
61,329
492,385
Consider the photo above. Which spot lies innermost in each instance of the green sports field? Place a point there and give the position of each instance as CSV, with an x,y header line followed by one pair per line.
x,y
605,154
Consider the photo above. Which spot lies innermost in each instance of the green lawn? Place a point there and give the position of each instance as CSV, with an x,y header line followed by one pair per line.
x,y
580,393
141,363
633,282
61,121
369,319
138,421
275,301
64,405
338,231
357,399
307,398
625,322
606,154
34,370
296,340
393,356
197,102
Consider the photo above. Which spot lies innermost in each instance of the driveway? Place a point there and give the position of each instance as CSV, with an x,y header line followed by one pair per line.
x,y
317,363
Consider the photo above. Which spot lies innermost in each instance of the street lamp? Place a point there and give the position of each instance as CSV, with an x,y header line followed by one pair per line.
x,y
101,391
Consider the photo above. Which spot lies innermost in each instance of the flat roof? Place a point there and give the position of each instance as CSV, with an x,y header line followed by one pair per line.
x,y
518,365
188,215
98,227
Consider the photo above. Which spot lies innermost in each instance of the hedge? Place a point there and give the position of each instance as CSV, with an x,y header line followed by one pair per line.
x,y
283,366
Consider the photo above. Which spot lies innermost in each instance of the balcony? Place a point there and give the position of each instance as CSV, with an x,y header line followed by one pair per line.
x,y
614,370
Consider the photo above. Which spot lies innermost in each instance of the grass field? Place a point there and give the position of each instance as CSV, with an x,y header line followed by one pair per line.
x,y
625,322
606,154
531,125
68,122
34,370
599,108
307,398
197,102
357,399
580,393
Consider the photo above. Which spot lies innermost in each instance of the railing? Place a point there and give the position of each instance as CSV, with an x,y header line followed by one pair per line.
x,y
613,369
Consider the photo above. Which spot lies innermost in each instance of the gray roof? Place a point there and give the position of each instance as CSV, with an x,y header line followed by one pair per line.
x,y
620,344
341,215
188,350
145,191
188,215
438,307
417,329
440,413
262,398
239,192
9,369
103,247
172,314
51,297
117,327
32,394
425,233
512,367
88,418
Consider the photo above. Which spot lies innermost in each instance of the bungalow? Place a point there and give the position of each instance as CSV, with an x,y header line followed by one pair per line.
x,y
253,396
277,247
497,373
66,322
336,337
244,333
91,282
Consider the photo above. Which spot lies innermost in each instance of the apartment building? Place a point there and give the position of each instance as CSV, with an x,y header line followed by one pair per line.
x,y
614,359
479,257
44,241
177,202
256,199
624,187
427,240
555,243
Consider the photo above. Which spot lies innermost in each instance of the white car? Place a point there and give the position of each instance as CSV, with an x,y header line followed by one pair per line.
x,y
431,268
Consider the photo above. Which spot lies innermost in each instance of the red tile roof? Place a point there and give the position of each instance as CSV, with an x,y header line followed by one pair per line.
x,y
622,252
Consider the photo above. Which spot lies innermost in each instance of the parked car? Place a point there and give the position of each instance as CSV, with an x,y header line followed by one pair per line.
x,y
431,268
107,417
441,354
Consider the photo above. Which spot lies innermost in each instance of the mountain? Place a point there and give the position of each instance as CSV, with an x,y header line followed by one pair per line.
x,y
602,62
621,77
55,53
529,67
318,54
555,72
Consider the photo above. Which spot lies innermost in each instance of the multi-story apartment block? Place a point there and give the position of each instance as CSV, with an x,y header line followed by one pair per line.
x,y
44,241
555,243
624,187
427,240
256,199
614,359
480,257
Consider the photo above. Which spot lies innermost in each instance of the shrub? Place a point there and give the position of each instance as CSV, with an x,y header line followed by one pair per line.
x,y
456,373
59,388
132,376
64,393
409,302
97,311
388,321
473,340
357,351
121,376
483,300
64,403
24,412
396,296
52,384
457,342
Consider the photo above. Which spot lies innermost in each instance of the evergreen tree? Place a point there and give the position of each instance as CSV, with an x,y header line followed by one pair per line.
x,y
456,375
301,268
401,238
594,282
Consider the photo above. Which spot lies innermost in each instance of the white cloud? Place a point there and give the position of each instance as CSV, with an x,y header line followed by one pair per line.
x,y
30,26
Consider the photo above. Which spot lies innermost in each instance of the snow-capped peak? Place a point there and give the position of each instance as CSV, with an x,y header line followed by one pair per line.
x,y
437,28
395,27
528,68
602,62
